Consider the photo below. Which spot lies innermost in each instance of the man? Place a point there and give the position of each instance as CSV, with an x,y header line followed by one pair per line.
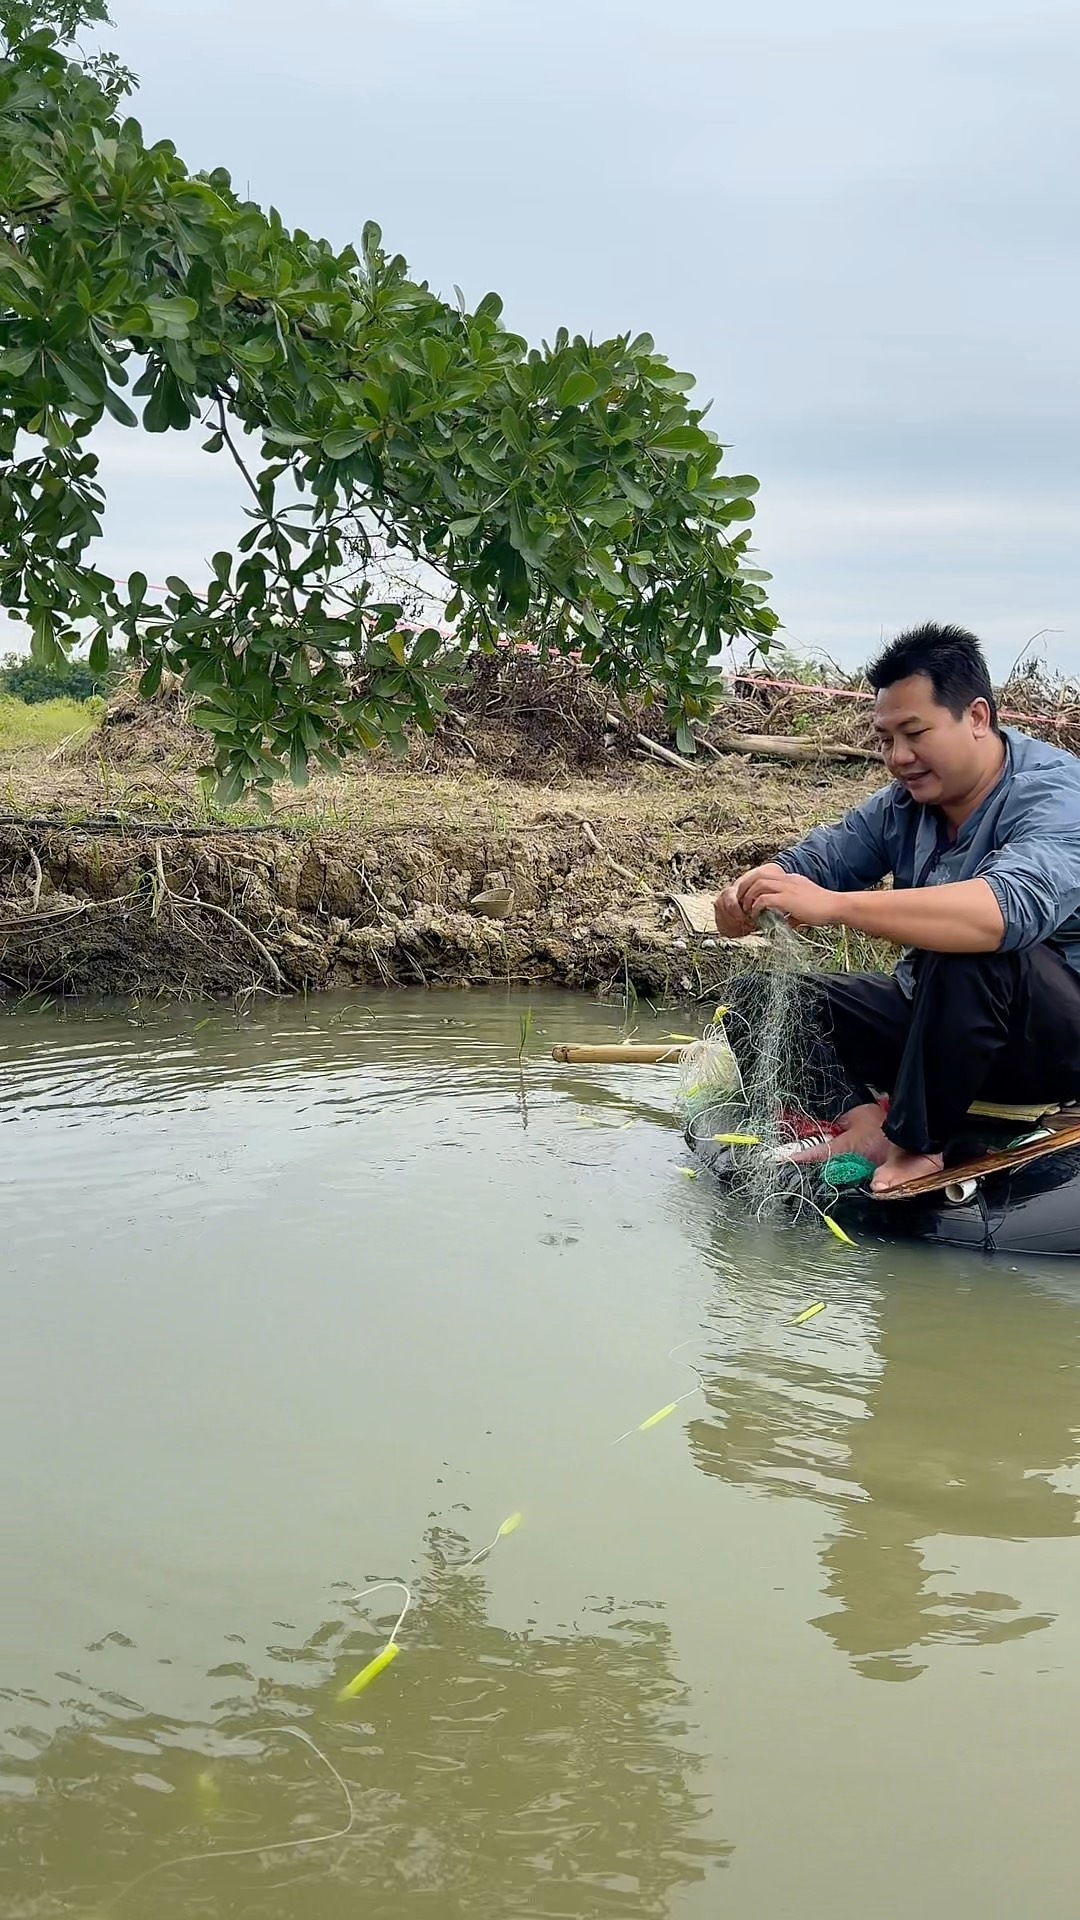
x,y
980,829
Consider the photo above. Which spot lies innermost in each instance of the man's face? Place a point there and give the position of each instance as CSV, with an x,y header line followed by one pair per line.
x,y
935,756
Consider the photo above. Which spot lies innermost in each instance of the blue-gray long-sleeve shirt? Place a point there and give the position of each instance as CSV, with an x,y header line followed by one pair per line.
x,y
1024,841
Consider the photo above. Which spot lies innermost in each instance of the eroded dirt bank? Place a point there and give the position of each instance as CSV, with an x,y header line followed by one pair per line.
x,y
114,880
98,909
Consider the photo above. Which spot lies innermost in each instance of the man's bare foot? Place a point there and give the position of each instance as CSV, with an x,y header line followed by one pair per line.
x,y
859,1130
898,1168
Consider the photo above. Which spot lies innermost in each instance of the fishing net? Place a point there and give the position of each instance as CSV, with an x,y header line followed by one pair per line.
x,y
760,1084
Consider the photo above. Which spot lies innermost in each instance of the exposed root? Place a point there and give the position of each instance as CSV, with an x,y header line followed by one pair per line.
x,y
165,892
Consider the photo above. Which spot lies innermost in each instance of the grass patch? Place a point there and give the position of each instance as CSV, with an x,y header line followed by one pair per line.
x,y
45,723
841,950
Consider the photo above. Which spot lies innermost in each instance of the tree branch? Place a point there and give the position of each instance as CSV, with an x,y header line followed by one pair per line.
x,y
223,429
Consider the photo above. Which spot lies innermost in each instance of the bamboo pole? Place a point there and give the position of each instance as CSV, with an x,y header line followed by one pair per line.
x,y
618,1056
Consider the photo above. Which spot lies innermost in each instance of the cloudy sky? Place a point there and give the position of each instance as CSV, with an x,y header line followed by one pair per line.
x,y
860,237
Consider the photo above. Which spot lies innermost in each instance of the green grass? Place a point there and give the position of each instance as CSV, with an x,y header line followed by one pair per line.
x,y
839,950
45,723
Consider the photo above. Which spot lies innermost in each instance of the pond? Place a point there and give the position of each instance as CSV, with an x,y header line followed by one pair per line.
x,y
326,1295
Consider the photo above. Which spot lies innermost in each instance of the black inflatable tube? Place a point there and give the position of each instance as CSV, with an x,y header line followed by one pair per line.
x,y
1033,1209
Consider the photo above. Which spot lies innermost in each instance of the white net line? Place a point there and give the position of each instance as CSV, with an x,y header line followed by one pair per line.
x,y
745,1084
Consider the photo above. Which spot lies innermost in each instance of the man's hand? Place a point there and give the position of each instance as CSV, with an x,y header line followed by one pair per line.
x,y
801,901
731,917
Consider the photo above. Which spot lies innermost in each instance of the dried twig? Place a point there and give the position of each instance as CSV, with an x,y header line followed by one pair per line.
x,y
99,824
703,741
658,752
50,919
459,729
790,747
623,872
59,751
209,906
163,889
380,910
653,747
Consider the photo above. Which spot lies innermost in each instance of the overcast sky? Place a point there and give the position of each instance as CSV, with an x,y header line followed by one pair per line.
x,y
862,239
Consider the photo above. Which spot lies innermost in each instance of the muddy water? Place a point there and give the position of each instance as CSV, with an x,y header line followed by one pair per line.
x,y
312,1300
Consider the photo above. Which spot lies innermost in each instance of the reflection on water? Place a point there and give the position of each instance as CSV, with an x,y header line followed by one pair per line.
x,y
953,1418
327,1291
547,1767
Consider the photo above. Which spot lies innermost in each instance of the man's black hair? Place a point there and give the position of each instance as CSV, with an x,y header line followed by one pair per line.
x,y
952,660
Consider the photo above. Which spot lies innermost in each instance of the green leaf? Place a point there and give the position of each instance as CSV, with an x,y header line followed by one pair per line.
x,y
514,429
137,584
222,565
579,388
343,443
367,734
669,381
15,361
680,440
99,654
255,353
230,788
400,393
436,356
684,739
459,529
607,513
637,495
119,408
88,389
45,648
425,647
157,413
151,679
213,720
298,763
171,313
606,575
11,257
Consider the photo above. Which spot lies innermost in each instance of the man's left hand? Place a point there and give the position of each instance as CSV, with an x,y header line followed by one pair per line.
x,y
801,901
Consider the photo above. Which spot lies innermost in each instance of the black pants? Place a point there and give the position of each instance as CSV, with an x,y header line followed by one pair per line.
x,y
979,1026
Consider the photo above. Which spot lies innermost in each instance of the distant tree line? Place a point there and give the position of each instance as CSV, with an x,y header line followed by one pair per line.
x,y
23,678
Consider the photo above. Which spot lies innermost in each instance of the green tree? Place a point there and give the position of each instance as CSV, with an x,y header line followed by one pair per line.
x,y
24,678
571,485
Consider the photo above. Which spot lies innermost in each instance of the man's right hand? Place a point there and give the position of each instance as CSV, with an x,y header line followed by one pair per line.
x,y
731,920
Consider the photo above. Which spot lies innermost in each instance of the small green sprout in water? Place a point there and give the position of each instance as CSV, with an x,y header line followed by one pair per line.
x,y
525,1027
